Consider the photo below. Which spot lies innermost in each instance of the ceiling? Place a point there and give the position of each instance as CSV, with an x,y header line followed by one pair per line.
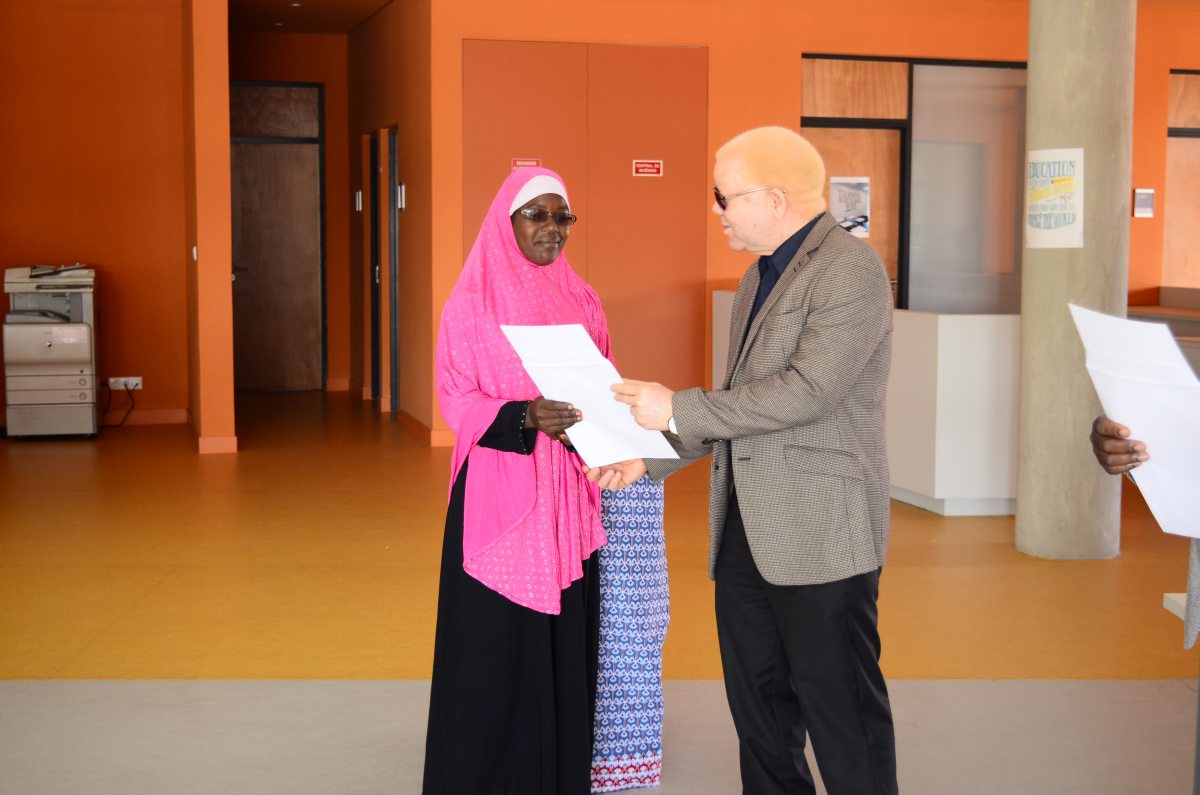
x,y
301,16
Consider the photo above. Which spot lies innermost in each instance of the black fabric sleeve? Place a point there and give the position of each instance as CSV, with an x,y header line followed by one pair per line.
x,y
506,433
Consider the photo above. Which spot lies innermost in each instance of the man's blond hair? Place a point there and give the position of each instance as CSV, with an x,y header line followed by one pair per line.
x,y
781,158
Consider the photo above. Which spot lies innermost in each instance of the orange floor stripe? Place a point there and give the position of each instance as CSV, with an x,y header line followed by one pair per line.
x,y
313,553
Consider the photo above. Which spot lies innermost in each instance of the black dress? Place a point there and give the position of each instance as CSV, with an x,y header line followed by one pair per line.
x,y
510,706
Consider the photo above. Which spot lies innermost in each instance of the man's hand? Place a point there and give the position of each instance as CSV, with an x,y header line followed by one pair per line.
x,y
649,403
1115,451
552,417
617,476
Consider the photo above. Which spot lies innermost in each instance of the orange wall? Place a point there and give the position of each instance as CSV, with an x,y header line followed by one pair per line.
x,y
92,153
390,85
97,170
754,74
1167,32
316,59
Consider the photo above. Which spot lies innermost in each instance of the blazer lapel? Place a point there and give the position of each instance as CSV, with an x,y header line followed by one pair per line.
x,y
811,243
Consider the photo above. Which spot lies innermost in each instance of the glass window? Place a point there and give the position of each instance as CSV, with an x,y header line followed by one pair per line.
x,y
1181,214
968,146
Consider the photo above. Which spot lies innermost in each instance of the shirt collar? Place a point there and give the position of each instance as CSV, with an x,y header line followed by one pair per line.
x,y
779,259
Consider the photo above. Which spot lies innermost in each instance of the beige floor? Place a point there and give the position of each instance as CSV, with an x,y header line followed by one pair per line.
x,y
262,737
312,554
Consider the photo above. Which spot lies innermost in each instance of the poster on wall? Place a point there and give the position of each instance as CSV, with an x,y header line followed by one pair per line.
x,y
850,204
1054,199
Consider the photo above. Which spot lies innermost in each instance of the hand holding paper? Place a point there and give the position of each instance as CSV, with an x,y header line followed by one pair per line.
x,y
617,476
1113,448
1144,381
649,403
564,362
552,417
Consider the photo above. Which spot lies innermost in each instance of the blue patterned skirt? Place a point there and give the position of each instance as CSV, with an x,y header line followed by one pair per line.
x,y
634,610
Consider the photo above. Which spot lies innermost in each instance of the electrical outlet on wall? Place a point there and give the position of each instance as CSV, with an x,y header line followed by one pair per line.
x,y
125,382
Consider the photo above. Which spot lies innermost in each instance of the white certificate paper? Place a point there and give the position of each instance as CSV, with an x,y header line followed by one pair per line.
x,y
1146,384
566,365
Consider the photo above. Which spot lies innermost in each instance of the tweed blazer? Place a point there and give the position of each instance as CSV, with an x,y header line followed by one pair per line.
x,y
798,424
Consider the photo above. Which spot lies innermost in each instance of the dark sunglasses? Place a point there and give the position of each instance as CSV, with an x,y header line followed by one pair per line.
x,y
723,200
540,214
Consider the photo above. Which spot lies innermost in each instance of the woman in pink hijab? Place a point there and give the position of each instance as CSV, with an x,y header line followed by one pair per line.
x,y
514,669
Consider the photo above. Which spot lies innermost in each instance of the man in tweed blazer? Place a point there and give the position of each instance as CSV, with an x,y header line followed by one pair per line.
x,y
799,505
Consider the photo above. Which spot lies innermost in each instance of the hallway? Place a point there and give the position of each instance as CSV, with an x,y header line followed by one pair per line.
x,y
128,563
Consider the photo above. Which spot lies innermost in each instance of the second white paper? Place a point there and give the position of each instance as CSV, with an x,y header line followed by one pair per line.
x,y
1145,383
566,365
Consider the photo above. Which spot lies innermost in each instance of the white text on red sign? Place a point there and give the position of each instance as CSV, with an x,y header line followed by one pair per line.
x,y
647,168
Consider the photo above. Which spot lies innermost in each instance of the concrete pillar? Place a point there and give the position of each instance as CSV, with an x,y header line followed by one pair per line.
x,y
1080,94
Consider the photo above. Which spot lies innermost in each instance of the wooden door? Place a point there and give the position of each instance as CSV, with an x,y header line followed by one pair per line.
x,y
278,241
872,153
373,263
383,218
640,241
646,248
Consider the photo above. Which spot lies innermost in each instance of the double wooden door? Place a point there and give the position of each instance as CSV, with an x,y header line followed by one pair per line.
x,y
590,112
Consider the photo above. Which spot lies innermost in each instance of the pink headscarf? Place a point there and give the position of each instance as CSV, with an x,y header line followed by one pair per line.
x,y
528,520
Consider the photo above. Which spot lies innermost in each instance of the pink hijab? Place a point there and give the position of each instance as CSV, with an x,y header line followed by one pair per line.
x,y
529,521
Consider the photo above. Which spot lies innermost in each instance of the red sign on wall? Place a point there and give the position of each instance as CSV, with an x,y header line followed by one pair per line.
x,y
647,168
526,162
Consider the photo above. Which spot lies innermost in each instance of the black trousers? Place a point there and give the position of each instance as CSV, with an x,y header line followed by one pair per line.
x,y
802,659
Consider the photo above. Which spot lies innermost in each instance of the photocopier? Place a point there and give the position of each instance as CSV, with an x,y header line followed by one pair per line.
x,y
49,351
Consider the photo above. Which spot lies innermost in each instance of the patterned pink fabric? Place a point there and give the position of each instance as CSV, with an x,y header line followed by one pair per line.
x,y
528,521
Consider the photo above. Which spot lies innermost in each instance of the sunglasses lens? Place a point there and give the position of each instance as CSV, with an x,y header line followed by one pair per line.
x,y
539,215
721,200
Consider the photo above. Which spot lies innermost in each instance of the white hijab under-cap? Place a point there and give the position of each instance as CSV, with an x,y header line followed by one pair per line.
x,y
536,187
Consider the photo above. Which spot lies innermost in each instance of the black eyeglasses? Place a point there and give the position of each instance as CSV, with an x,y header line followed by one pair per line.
x,y
723,200
539,215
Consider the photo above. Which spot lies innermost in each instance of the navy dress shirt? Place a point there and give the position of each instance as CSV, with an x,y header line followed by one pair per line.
x,y
770,268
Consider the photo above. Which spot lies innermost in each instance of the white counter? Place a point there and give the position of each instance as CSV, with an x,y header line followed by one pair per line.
x,y
952,412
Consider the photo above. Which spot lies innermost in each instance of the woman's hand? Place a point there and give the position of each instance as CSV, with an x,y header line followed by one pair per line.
x,y
552,417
